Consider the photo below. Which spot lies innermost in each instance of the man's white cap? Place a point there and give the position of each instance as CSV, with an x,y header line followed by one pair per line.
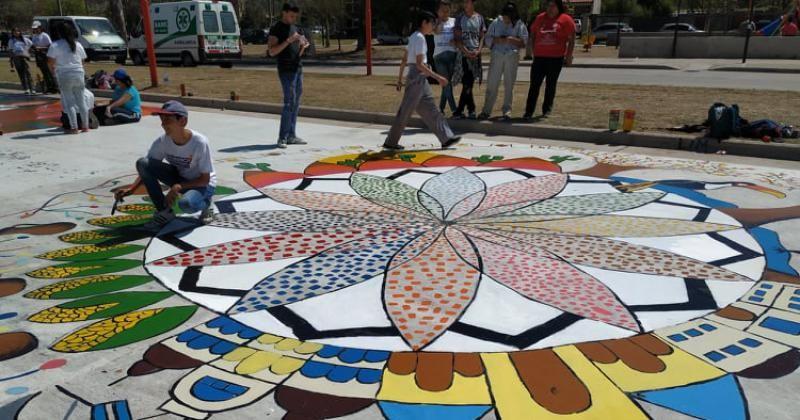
x,y
36,25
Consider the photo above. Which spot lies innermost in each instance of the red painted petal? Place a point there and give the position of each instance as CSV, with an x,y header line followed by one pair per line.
x,y
321,168
444,160
526,163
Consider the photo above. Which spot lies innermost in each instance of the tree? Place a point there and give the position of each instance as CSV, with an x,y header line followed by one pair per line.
x,y
117,10
327,14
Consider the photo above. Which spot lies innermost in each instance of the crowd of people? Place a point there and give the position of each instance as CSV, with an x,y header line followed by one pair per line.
x,y
60,60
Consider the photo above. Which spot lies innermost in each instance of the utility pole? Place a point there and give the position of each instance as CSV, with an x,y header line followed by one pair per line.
x,y
60,8
675,35
750,26
368,34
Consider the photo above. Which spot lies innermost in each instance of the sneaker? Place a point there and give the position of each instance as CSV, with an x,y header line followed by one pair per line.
x,y
160,219
281,143
452,141
472,116
483,116
296,140
393,147
207,215
458,116
527,117
546,115
506,116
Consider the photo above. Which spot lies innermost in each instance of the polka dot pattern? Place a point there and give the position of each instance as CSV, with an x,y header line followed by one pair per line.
x,y
453,187
300,220
516,194
618,226
387,192
590,203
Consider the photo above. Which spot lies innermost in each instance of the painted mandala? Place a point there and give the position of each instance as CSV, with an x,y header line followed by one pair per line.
x,y
459,258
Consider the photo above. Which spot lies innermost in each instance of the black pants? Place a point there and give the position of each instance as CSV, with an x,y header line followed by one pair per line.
x,y
466,100
24,72
50,85
543,68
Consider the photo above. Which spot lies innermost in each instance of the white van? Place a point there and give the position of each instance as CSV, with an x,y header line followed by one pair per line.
x,y
97,35
190,33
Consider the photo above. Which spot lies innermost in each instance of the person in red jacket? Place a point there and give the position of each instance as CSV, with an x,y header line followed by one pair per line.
x,y
552,35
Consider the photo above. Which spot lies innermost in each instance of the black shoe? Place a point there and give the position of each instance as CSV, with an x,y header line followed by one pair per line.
x,y
458,116
393,147
452,141
527,117
546,114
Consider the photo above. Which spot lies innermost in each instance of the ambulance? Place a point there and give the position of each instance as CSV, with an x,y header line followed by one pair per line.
x,y
190,33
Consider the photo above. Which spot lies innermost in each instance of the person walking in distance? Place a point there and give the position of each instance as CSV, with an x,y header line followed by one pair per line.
x,y
553,39
506,37
419,95
65,57
20,47
445,54
41,43
288,44
468,35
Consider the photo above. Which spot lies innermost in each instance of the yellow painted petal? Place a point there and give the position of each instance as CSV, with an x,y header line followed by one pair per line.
x,y
286,365
463,391
258,361
240,353
269,339
308,348
287,344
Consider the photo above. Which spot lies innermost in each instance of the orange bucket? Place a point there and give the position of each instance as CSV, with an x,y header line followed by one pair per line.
x,y
628,120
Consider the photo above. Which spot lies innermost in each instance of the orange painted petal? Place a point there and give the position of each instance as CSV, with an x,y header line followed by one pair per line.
x,y
444,160
260,179
386,164
526,163
321,168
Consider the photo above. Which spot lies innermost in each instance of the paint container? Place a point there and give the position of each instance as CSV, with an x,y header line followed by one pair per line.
x,y
613,120
234,96
628,120
183,89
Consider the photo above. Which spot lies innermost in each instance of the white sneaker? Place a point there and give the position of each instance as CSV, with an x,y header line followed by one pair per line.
x,y
281,144
296,140
160,219
207,215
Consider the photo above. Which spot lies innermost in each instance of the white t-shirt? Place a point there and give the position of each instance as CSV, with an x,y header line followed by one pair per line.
x,y
444,38
88,97
20,46
67,61
416,46
41,40
191,159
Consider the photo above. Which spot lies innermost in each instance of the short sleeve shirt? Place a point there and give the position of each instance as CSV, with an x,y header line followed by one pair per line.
x,y
416,46
41,40
134,104
20,46
289,58
472,29
67,61
444,39
191,159
552,35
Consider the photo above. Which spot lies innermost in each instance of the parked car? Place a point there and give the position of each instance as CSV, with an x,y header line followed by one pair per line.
x,y
390,38
97,35
578,25
601,32
255,36
682,27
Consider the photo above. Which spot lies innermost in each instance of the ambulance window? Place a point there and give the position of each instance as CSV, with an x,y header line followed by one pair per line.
x,y
228,22
210,23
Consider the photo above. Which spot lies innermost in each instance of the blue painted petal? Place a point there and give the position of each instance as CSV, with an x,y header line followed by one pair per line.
x,y
216,390
188,335
683,192
312,369
249,333
702,400
777,256
203,341
398,411
342,374
223,347
374,356
329,351
352,355
369,376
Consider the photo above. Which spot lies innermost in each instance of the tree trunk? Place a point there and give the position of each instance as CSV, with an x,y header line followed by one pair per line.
x,y
118,17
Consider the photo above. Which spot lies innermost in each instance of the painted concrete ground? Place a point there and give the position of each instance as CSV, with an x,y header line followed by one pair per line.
x,y
493,280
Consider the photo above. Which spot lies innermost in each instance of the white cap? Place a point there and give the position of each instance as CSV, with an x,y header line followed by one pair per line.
x,y
36,25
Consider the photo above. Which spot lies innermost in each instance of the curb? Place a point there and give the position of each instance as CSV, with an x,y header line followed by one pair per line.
x,y
528,132
757,70
336,63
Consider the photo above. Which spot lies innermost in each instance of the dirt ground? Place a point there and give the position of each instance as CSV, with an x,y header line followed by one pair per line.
x,y
577,104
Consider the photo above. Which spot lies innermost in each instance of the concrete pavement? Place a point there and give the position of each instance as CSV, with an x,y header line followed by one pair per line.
x,y
269,363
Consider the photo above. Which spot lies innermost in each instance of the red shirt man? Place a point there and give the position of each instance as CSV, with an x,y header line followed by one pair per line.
x,y
552,35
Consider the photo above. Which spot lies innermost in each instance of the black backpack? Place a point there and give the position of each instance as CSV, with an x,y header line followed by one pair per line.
x,y
723,121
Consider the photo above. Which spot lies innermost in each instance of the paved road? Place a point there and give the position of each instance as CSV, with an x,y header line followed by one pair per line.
x,y
688,77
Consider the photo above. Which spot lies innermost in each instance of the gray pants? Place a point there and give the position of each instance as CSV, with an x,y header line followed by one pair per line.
x,y
503,66
418,97
72,100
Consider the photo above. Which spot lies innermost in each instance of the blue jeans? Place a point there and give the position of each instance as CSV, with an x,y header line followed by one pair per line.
x,y
153,172
445,66
292,84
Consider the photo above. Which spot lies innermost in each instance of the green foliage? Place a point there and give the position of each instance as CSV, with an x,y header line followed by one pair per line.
x,y
484,159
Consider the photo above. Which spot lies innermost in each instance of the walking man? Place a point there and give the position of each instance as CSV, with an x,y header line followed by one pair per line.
x,y
506,37
41,42
188,170
419,95
288,44
468,34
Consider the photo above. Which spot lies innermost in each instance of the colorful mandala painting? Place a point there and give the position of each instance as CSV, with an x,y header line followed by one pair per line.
x,y
426,285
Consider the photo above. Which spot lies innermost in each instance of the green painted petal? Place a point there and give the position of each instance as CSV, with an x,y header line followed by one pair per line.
x,y
88,286
590,204
124,329
387,192
98,307
220,190
89,237
84,268
90,252
619,226
122,220
145,208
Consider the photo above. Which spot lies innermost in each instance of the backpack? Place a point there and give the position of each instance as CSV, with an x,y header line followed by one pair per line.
x,y
723,121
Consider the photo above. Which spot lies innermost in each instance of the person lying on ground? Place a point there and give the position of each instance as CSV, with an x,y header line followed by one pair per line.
x,y
188,170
